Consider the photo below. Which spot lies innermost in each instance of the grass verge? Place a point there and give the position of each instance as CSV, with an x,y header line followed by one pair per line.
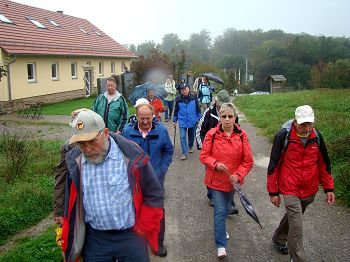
x,y
66,107
38,249
27,199
332,118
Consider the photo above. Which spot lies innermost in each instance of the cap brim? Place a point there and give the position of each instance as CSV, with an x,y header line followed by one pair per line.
x,y
83,137
305,120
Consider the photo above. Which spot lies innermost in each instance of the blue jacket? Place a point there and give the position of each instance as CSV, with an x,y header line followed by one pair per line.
x,y
156,144
187,111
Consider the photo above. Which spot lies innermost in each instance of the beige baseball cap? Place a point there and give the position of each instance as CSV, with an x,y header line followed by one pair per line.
x,y
86,125
304,114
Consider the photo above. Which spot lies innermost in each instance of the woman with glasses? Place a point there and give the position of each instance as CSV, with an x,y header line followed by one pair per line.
x,y
228,158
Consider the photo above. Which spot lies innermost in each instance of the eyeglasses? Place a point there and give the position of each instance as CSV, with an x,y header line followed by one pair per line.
x,y
90,143
227,116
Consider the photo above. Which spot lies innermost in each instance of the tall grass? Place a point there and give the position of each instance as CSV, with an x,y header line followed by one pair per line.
x,y
27,198
332,118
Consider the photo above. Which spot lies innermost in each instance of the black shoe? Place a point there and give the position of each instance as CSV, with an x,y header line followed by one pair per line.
x,y
162,252
233,211
281,248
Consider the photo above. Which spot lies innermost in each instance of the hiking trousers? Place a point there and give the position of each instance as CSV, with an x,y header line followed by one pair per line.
x,y
290,228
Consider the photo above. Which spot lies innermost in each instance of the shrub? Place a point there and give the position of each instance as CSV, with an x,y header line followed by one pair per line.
x,y
15,149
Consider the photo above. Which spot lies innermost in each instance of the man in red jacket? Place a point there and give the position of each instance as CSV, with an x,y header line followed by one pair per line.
x,y
299,162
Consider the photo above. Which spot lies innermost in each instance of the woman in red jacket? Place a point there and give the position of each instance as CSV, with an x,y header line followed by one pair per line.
x,y
227,155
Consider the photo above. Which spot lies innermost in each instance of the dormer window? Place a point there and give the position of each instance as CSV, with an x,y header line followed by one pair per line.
x,y
4,19
81,29
36,22
53,23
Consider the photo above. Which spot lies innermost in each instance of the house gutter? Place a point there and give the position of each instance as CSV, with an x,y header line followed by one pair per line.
x,y
9,77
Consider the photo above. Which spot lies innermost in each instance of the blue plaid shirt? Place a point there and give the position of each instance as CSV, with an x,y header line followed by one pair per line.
x,y
107,197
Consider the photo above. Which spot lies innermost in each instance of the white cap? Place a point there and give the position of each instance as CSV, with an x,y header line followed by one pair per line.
x,y
141,101
304,114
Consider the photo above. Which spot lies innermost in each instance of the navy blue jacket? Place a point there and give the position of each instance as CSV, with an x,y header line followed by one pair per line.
x,y
156,144
187,111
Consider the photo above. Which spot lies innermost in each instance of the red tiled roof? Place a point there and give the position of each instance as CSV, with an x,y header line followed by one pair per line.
x,y
23,37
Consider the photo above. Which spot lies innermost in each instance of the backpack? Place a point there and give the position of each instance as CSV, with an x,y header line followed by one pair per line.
x,y
206,93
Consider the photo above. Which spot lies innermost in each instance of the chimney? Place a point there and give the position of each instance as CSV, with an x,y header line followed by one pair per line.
x,y
60,12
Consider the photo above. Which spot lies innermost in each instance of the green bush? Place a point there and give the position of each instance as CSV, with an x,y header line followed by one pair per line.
x,y
15,151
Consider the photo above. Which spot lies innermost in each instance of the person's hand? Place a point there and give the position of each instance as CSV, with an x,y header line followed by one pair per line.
x,y
58,220
276,200
330,198
234,179
165,108
118,132
221,167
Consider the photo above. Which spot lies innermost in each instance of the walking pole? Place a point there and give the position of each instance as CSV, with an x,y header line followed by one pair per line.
x,y
174,135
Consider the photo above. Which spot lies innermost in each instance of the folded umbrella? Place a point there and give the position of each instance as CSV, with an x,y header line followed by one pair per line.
x,y
246,204
214,77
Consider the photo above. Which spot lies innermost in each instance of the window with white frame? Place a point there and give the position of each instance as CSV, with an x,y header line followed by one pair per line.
x,y
54,23
123,66
31,72
54,71
36,22
4,19
100,68
112,68
73,70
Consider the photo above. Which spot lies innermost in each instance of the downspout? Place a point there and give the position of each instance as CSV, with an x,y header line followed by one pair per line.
x,y
9,77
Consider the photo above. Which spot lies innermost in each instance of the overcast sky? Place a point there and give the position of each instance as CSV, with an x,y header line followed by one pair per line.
x,y
137,21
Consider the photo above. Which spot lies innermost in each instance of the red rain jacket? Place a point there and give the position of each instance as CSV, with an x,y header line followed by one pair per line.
x,y
233,151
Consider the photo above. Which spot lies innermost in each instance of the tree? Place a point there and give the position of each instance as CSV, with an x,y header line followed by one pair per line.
x,y
155,67
170,42
3,72
144,48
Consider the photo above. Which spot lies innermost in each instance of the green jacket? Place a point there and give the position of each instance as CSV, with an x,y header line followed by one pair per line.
x,y
114,114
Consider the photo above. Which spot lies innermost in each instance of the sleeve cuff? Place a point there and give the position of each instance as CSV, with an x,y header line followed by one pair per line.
x,y
328,190
274,194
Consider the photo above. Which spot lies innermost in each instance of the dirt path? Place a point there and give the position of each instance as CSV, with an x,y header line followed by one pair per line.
x,y
189,218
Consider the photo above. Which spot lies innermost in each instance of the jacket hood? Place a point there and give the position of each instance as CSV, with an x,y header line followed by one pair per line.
x,y
288,125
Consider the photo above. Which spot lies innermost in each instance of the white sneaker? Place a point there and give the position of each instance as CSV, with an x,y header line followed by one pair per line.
x,y
221,252
227,235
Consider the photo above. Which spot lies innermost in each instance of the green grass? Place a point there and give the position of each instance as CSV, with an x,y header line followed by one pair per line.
x,y
332,118
66,107
38,249
28,198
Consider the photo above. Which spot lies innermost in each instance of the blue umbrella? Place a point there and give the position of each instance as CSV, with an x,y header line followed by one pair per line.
x,y
246,204
140,91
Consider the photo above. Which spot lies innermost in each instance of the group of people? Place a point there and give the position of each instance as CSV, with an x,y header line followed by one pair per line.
x,y
109,185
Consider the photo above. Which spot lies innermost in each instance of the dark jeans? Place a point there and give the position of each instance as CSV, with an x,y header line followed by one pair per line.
x,y
170,105
111,246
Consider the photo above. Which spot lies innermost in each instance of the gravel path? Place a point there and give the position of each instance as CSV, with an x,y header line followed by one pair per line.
x,y
189,218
